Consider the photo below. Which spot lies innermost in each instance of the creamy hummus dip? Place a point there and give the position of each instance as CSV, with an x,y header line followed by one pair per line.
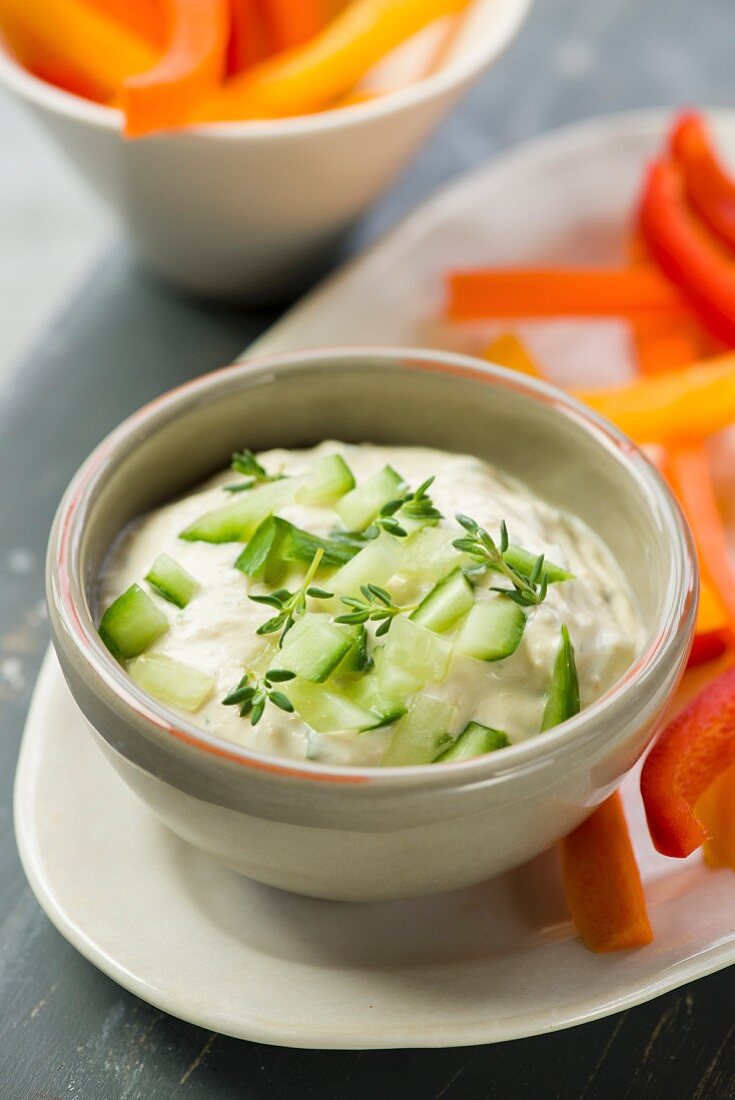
x,y
445,669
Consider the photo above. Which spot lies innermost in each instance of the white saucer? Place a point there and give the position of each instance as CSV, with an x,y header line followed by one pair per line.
x,y
492,963
495,962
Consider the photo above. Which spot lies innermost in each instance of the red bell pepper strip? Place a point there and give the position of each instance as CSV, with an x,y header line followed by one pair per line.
x,y
684,250
247,43
290,23
696,748
706,647
710,189
602,882
192,64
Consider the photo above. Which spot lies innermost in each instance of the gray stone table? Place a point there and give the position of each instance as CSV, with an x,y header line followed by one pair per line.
x,y
66,1031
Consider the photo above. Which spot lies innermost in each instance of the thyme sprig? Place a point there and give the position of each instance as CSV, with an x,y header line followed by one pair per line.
x,y
529,588
291,605
376,606
252,694
413,505
245,462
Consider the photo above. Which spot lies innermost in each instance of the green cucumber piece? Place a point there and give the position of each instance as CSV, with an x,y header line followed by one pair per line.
x,y
238,520
131,624
262,552
446,604
562,698
524,561
328,480
172,581
362,505
386,700
277,543
374,564
357,658
327,710
422,734
423,653
428,555
492,630
474,740
171,681
314,647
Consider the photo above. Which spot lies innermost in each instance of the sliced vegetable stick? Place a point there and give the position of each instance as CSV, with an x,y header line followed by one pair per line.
x,y
602,882
680,407
192,64
559,292
70,44
145,18
689,472
663,344
508,351
710,189
247,44
716,812
327,67
291,23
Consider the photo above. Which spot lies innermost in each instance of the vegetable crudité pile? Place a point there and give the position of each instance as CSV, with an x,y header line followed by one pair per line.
x,y
170,63
678,295
335,646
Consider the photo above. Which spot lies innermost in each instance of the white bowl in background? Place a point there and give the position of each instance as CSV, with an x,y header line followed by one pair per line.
x,y
249,210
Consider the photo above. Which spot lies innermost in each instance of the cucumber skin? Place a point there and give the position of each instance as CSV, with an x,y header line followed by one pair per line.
x,y
277,542
430,613
562,699
171,580
502,614
238,520
474,740
524,560
133,603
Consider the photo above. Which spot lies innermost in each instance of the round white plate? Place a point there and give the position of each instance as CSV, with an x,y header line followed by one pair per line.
x,y
496,962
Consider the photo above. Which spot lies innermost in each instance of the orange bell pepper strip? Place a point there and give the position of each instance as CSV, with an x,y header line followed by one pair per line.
x,y
192,63
482,294
677,408
146,18
685,251
692,752
665,344
316,74
709,187
602,882
716,811
290,23
510,352
70,44
690,476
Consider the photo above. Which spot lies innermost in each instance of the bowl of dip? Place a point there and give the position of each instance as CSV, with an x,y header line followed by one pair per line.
x,y
499,596
251,211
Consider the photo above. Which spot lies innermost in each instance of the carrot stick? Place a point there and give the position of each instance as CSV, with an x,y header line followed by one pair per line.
x,y
689,472
602,882
328,66
191,65
508,351
665,343
558,292
145,18
716,812
677,408
291,23
70,44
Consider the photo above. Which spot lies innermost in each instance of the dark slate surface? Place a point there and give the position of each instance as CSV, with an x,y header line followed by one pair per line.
x,y
65,1030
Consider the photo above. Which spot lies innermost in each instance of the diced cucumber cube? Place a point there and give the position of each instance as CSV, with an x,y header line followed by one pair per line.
x,y
329,479
423,653
131,624
395,681
237,520
562,699
172,581
361,505
375,564
262,548
429,555
171,681
357,658
387,706
276,543
524,561
327,710
474,740
422,734
315,646
492,630
446,604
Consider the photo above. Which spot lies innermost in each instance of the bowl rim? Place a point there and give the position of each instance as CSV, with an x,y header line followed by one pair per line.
x,y
675,622
510,16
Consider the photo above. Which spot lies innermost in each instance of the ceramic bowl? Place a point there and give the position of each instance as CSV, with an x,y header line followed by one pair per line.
x,y
250,211
374,833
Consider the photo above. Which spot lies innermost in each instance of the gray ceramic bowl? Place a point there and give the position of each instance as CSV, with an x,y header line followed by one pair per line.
x,y
374,832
